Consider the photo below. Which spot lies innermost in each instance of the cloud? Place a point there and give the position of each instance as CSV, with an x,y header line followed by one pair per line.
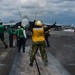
x,y
42,9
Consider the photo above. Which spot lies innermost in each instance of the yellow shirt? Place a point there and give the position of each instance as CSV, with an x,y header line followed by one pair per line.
x,y
38,35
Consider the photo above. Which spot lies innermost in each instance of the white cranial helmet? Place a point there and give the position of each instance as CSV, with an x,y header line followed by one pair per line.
x,y
25,23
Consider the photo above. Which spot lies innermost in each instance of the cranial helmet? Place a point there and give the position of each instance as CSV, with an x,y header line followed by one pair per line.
x,y
38,23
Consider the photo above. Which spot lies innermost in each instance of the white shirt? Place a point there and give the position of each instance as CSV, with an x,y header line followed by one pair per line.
x,y
24,32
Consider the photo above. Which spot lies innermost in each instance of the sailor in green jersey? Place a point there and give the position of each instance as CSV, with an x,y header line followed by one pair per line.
x,y
21,36
2,28
10,36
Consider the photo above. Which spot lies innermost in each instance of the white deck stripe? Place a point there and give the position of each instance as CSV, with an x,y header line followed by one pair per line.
x,y
4,54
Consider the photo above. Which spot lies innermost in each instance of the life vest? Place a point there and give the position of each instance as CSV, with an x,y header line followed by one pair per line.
x,y
19,32
38,34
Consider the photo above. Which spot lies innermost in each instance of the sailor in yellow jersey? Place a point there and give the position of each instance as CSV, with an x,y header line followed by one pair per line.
x,y
38,39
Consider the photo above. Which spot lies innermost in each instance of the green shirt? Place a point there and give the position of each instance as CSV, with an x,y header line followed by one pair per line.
x,y
10,31
19,32
1,29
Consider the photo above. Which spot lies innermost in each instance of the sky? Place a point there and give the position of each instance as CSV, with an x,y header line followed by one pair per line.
x,y
49,11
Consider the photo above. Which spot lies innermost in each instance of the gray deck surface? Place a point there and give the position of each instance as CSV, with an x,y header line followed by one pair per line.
x,y
61,57
21,65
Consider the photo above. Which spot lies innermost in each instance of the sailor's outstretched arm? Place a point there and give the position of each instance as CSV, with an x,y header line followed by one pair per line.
x,y
49,27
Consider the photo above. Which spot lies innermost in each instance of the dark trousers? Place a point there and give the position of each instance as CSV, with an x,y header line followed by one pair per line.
x,y
11,40
41,46
21,43
48,45
2,38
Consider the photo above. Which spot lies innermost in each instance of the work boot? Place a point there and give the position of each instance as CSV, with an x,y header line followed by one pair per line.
x,y
31,64
48,46
45,63
6,46
23,51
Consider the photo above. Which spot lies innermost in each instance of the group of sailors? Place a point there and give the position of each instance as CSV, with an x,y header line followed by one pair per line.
x,y
38,39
